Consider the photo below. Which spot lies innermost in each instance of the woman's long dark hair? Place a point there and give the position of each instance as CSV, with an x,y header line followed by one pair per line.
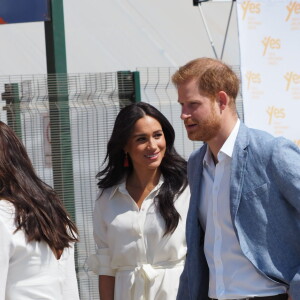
x,y
39,211
173,166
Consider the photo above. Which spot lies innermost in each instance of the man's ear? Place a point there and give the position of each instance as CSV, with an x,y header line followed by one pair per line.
x,y
223,100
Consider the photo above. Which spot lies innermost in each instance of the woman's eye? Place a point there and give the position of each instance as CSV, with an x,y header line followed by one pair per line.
x,y
158,135
141,139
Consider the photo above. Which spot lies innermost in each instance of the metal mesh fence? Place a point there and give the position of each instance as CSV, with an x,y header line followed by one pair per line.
x,y
85,110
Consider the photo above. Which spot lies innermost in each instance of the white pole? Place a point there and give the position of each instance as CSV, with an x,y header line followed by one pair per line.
x,y
207,30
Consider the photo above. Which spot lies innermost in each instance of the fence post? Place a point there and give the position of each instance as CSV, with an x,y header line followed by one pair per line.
x,y
12,98
129,87
61,142
137,86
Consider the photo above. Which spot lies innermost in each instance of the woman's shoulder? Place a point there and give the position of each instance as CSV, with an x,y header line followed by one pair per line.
x,y
186,192
103,198
182,203
108,193
7,209
7,213
185,195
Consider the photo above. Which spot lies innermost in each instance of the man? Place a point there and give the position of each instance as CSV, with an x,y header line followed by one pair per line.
x,y
243,226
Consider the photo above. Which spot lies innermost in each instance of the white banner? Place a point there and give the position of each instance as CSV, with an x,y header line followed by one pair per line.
x,y
269,33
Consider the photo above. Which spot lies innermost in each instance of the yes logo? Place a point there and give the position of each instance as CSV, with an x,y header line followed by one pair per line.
x,y
252,78
297,142
251,7
293,7
274,112
271,43
290,78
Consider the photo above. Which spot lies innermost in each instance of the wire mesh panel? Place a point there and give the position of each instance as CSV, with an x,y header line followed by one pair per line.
x,y
93,104
85,106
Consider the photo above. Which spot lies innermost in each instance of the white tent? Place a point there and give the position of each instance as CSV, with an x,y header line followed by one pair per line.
x,y
111,35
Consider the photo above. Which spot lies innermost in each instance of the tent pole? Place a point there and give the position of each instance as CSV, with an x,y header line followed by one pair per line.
x,y
227,28
207,31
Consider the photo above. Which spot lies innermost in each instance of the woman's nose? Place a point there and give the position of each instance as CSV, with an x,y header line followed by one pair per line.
x,y
152,144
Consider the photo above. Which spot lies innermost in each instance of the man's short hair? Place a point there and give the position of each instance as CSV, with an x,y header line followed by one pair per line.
x,y
211,75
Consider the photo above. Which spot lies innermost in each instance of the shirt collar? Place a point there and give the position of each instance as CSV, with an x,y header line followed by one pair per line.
x,y
227,147
207,160
121,187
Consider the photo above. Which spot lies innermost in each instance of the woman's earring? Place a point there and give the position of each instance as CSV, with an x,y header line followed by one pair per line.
x,y
126,162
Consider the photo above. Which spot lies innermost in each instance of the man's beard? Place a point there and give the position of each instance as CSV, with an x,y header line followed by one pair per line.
x,y
206,129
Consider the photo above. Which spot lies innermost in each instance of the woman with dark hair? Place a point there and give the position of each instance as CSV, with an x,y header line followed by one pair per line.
x,y
140,214
36,233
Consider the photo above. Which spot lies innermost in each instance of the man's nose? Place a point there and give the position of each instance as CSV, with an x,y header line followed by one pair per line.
x,y
184,114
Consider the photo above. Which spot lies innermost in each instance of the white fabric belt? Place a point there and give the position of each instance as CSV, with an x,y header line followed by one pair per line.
x,y
146,273
280,296
251,298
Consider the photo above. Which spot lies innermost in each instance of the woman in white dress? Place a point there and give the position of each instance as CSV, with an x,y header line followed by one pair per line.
x,y
140,214
36,233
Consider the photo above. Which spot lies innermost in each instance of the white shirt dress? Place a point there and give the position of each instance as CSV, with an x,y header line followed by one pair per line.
x,y
132,247
30,271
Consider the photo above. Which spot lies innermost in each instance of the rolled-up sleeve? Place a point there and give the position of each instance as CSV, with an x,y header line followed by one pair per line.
x,y
100,262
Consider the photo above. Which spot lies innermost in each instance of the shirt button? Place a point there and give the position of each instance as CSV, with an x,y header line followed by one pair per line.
x,y
139,233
